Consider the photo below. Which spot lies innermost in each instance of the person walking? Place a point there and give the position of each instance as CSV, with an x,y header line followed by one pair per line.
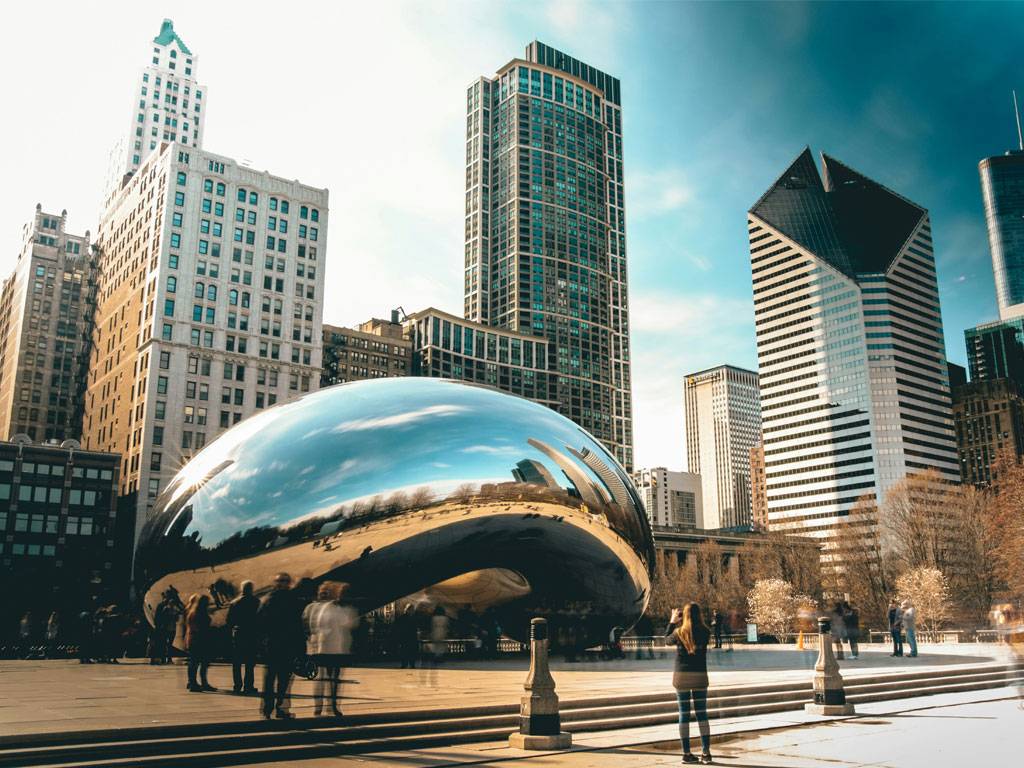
x,y
329,624
688,632
910,626
165,619
199,643
407,636
280,622
717,626
851,621
438,645
896,627
241,623
52,635
26,632
838,629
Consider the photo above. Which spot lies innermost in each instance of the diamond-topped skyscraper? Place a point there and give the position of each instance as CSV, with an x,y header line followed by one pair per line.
x,y
854,383
545,250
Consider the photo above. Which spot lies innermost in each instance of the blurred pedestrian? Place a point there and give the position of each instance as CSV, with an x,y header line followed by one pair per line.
x,y
896,627
407,636
329,623
437,647
280,622
717,626
851,621
52,635
26,634
199,643
241,622
85,637
165,620
910,626
838,631
688,632
644,631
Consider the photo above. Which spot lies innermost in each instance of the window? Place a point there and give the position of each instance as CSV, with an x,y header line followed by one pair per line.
x,y
211,292
179,198
207,185
165,360
167,332
172,284
241,195
169,308
182,178
160,410
161,385
175,240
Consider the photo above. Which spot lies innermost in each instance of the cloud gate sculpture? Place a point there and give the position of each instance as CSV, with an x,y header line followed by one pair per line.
x,y
408,486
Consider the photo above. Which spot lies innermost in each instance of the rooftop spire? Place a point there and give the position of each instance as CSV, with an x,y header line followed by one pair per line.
x,y
168,35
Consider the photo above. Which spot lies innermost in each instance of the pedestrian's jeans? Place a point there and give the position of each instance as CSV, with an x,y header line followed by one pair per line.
x,y
897,642
276,677
912,640
700,709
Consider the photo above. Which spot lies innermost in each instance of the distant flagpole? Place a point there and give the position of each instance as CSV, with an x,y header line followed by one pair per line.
x,y
1016,112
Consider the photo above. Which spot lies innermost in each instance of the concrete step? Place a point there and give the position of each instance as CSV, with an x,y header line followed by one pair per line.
x,y
250,742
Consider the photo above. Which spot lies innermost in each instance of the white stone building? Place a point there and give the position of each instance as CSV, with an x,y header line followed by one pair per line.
x,y
672,499
168,104
723,422
209,309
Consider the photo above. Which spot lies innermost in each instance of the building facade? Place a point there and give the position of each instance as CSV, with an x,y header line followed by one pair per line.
x,y
672,499
210,308
46,313
377,349
1002,190
168,105
996,350
449,347
758,489
989,420
61,541
854,390
723,422
545,242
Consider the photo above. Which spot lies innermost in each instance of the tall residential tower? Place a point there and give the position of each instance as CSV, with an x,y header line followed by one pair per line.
x,y
723,422
545,251
1002,189
854,383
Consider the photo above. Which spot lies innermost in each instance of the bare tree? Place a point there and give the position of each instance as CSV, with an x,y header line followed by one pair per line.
x,y
1006,521
927,589
776,608
856,567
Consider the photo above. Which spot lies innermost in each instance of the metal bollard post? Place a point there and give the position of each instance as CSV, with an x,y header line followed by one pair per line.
x,y
540,726
829,696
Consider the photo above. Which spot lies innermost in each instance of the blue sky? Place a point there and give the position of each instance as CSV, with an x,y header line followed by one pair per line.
x,y
368,99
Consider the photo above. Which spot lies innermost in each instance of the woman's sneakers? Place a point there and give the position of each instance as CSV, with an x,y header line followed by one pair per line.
x,y
705,759
689,757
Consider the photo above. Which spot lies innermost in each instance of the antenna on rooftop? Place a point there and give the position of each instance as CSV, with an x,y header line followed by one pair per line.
x,y
1016,112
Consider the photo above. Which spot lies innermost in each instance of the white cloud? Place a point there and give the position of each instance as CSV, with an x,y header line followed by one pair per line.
x,y
494,450
684,315
655,193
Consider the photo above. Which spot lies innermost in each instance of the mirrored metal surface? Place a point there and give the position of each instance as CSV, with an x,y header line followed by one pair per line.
x,y
403,486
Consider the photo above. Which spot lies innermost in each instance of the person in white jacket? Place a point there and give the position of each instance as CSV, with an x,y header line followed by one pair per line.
x,y
329,624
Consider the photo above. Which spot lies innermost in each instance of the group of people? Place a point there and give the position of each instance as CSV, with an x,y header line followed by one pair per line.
x,y
101,633
286,630
903,623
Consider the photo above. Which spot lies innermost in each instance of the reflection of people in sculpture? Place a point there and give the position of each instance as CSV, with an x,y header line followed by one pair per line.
x,y
199,642
329,624
407,636
438,645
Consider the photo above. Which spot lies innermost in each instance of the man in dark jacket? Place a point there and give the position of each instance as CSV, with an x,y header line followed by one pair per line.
x,y
896,628
241,623
280,621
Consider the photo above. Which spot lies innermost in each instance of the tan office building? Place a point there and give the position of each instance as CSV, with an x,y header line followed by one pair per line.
x,y
46,309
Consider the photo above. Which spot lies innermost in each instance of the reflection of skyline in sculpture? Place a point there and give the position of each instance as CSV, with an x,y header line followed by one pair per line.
x,y
530,471
397,485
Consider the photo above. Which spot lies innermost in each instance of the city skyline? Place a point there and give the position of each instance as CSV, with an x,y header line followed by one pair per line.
x,y
687,188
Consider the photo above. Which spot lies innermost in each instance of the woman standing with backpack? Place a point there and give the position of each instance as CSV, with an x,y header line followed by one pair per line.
x,y
688,632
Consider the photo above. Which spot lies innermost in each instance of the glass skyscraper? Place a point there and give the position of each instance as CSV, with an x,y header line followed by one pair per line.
x,y
545,250
1002,189
854,384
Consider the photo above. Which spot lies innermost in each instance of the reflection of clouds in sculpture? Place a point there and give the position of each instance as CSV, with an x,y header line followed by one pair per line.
x,y
399,419
406,464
